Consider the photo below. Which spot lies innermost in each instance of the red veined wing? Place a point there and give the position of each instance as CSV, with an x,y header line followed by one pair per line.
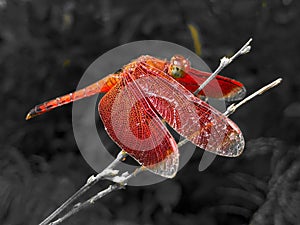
x,y
192,118
132,123
231,90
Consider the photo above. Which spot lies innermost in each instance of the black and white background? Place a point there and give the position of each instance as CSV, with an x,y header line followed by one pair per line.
x,y
45,47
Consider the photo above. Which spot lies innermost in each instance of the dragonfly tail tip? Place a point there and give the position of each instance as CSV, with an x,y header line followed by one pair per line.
x,y
28,117
31,114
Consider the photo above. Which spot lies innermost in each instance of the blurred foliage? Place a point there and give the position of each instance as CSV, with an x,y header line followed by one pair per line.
x,y
45,46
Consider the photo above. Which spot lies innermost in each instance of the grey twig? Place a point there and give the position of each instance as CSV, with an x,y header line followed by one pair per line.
x,y
106,173
231,109
223,63
120,182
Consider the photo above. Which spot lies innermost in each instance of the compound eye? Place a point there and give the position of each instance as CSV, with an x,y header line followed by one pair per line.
x,y
180,61
178,65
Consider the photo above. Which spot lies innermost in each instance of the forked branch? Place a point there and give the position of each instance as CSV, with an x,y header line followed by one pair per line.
x,y
121,181
105,174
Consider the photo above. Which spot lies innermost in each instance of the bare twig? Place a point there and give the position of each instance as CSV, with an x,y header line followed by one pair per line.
x,y
106,173
223,63
231,109
120,182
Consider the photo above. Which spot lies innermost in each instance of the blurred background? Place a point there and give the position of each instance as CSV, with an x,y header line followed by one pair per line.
x,y
45,47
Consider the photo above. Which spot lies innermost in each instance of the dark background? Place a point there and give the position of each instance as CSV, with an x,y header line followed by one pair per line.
x,y
45,46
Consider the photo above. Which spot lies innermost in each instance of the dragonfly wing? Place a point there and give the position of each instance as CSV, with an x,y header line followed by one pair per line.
x,y
192,118
132,123
221,87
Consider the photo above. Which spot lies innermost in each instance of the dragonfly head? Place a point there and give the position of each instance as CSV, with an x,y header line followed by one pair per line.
x,y
178,65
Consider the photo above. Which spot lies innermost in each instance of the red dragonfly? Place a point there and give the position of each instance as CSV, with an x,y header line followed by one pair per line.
x,y
148,90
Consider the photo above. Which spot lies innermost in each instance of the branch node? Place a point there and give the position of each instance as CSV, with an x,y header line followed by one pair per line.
x,y
225,61
246,50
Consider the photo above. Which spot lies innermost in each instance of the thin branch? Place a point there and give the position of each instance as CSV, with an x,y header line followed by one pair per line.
x,y
223,63
231,109
120,183
106,173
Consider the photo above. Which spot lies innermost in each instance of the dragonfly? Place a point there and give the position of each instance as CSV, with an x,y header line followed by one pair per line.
x,y
149,92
